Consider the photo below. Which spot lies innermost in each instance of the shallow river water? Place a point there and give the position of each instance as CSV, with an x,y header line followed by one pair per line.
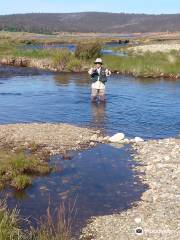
x,y
146,108
100,179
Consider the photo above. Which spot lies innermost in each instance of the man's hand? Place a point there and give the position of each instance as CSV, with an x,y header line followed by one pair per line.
x,y
108,73
92,70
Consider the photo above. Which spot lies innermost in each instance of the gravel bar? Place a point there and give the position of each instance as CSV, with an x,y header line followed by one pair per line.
x,y
157,215
57,138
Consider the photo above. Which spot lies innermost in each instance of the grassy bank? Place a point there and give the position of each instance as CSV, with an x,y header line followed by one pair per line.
x,y
18,168
51,59
147,64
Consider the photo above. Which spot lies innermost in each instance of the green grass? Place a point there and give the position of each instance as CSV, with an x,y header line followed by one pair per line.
x,y
20,182
6,47
31,53
74,65
17,168
9,220
57,227
151,64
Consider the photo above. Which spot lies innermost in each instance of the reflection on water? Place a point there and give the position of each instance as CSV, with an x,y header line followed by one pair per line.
x,y
99,179
66,79
98,114
62,79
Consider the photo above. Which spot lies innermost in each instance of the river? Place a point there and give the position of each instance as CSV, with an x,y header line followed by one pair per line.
x,y
100,179
148,108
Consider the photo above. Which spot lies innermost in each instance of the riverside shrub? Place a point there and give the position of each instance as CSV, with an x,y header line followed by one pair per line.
x,y
61,57
88,50
74,65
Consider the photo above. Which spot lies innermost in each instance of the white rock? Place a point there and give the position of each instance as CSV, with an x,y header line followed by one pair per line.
x,y
138,220
92,144
100,139
138,139
126,140
106,138
117,137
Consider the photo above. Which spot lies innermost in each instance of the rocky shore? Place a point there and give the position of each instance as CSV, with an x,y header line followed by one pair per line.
x,y
56,138
157,215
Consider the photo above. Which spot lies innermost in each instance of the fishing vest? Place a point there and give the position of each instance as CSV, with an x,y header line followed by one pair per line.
x,y
102,76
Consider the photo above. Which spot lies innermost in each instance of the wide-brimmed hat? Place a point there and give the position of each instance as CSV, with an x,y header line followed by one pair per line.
x,y
99,60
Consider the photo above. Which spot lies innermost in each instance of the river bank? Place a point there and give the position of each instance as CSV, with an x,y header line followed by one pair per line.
x,y
77,67
56,138
147,64
25,149
157,215
144,66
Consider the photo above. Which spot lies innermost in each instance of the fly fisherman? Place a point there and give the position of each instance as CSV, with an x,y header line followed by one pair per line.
x,y
99,77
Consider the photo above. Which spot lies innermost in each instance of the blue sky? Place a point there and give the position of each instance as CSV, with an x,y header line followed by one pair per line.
x,y
128,6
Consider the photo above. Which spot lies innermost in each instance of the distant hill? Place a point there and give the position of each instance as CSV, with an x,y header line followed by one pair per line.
x,y
90,22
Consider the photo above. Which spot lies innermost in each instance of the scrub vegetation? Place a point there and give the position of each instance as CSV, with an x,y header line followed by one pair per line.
x,y
88,50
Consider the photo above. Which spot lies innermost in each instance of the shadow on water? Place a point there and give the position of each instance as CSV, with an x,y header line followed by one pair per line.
x,y
100,180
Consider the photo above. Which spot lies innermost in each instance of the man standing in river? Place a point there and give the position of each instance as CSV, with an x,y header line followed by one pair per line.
x,y
99,78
